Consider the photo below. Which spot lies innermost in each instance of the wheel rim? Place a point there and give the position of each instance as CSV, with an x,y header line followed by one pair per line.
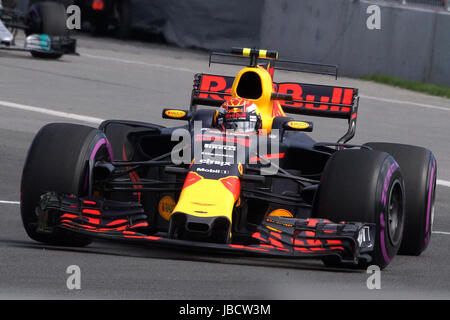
x,y
395,213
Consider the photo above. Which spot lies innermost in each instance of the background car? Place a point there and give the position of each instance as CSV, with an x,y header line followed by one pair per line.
x,y
44,24
106,16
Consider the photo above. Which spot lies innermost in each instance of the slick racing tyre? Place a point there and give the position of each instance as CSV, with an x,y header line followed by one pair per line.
x,y
58,160
364,186
49,18
418,167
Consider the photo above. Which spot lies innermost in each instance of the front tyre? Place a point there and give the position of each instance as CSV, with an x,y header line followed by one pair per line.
x,y
47,17
364,186
58,160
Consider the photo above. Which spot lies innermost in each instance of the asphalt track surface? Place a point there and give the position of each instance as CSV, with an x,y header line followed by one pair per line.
x,y
132,80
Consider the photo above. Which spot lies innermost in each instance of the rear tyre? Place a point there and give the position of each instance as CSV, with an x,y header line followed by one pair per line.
x,y
58,160
418,167
364,186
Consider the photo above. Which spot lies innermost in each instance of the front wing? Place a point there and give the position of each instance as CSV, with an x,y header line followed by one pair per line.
x,y
276,236
44,44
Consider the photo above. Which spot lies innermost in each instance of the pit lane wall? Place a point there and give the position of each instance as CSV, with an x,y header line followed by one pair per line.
x,y
412,44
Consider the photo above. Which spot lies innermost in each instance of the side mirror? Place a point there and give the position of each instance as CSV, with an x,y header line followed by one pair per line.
x,y
176,114
293,125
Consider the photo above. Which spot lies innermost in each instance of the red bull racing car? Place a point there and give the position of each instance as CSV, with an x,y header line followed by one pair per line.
x,y
239,177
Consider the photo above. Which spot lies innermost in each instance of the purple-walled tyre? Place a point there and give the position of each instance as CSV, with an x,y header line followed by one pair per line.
x,y
58,160
364,186
419,171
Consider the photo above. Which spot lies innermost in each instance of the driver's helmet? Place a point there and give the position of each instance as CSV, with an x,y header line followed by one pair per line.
x,y
239,115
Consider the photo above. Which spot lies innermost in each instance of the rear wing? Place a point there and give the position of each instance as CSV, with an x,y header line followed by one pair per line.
x,y
295,98
237,58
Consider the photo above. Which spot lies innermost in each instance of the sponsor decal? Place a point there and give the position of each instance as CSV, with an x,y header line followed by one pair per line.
x,y
175,113
306,92
298,125
219,155
220,147
214,162
208,170
219,84
165,207
236,115
302,94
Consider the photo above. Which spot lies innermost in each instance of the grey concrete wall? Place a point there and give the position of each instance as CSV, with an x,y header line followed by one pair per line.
x,y
413,43
440,65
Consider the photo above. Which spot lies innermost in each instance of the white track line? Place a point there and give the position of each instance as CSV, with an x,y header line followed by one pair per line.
x,y
141,63
154,65
442,232
9,202
51,112
443,183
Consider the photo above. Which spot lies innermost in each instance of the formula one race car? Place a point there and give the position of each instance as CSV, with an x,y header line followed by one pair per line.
x,y
242,178
44,25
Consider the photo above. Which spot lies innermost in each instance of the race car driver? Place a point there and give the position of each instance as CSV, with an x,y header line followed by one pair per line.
x,y
239,115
